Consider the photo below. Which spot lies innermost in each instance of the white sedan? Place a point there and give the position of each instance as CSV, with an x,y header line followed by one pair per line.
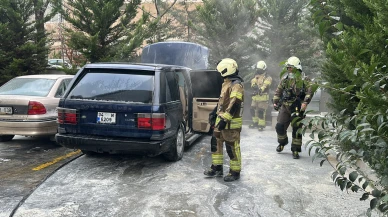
x,y
28,105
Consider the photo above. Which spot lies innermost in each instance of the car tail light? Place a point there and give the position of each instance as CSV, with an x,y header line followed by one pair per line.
x,y
36,108
67,116
155,121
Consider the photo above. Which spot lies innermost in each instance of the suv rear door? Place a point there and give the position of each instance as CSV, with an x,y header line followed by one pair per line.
x,y
108,102
206,89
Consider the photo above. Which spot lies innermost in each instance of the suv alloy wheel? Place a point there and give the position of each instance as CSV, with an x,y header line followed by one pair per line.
x,y
176,151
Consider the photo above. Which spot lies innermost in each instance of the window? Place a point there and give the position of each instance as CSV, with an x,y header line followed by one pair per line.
x,y
182,83
168,93
27,87
62,88
172,86
115,85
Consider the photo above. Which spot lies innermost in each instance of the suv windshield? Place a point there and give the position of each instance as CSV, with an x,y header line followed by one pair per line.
x,y
115,85
27,87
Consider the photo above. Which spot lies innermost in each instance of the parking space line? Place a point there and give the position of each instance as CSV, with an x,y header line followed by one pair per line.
x,y
56,160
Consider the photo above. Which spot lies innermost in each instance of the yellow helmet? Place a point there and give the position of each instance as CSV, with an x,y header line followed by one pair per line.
x,y
261,65
227,67
294,62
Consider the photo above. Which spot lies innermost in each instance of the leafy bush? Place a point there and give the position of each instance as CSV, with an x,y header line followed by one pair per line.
x,y
361,137
355,34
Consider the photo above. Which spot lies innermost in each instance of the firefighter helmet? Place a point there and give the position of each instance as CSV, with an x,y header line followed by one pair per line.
x,y
227,67
261,65
294,62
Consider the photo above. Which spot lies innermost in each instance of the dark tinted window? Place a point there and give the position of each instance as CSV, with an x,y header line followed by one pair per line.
x,y
206,84
168,93
172,85
115,85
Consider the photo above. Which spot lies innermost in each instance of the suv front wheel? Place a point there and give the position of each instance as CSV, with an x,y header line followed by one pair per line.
x,y
177,148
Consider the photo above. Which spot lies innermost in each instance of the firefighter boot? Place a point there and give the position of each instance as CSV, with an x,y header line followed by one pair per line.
x,y
214,171
253,125
280,148
232,176
295,155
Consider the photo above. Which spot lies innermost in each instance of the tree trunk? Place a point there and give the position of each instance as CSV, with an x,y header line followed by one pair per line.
x,y
40,39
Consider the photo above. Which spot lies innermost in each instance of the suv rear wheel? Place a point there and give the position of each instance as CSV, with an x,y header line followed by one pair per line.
x,y
89,153
6,138
177,148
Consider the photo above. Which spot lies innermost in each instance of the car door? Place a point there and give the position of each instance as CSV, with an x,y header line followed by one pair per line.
x,y
206,87
184,84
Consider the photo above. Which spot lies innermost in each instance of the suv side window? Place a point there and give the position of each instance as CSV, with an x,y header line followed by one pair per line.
x,y
62,88
172,87
182,82
168,93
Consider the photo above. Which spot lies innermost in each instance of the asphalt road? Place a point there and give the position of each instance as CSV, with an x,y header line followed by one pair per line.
x,y
24,163
271,184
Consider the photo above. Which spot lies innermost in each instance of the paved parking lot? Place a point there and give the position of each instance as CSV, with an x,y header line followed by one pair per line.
x,y
271,184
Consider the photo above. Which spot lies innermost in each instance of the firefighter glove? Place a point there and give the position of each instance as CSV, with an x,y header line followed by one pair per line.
x,y
213,117
221,124
259,91
255,87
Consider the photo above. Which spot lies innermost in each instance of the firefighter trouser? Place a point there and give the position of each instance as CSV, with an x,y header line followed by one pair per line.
x,y
283,122
232,144
259,109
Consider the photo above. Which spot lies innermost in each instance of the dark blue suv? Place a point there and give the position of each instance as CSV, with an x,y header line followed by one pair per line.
x,y
137,108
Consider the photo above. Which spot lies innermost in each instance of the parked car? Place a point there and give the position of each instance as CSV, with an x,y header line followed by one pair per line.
x,y
28,105
137,108
59,63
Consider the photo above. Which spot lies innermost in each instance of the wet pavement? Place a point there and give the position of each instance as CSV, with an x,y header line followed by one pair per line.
x,y
271,184
24,163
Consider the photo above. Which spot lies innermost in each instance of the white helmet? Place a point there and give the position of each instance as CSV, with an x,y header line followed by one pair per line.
x,y
261,65
294,62
227,67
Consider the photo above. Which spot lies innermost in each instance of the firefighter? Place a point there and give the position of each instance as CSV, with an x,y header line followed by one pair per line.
x,y
228,122
292,96
260,98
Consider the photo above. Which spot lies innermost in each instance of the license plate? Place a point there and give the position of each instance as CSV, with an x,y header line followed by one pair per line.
x,y
6,110
106,118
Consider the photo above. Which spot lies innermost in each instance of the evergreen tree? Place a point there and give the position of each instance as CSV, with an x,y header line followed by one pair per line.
x,y
17,47
183,14
226,28
270,30
287,31
41,37
162,26
104,30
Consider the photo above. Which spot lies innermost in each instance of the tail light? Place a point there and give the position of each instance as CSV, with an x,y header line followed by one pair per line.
x,y
67,116
36,108
155,121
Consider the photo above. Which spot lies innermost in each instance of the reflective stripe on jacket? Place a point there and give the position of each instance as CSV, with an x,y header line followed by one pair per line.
x,y
230,104
289,86
263,82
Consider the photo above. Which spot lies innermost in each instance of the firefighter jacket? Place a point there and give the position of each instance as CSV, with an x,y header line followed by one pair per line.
x,y
260,85
291,89
230,104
